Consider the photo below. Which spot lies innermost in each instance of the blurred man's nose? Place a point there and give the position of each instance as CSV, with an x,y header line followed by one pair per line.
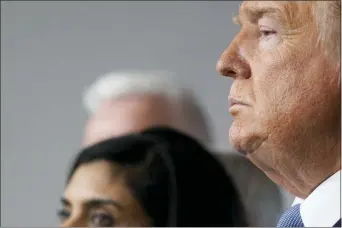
x,y
233,64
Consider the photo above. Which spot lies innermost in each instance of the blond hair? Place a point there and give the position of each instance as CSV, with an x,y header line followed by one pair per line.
x,y
327,16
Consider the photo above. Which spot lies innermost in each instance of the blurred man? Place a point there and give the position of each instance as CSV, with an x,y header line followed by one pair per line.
x,y
125,102
285,63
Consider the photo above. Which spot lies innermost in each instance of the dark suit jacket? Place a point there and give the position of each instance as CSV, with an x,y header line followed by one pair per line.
x,y
338,224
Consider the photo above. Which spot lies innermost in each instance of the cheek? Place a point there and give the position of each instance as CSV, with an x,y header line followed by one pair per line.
x,y
269,43
283,82
278,78
277,96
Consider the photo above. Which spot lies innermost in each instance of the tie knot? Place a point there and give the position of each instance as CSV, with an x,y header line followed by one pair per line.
x,y
291,218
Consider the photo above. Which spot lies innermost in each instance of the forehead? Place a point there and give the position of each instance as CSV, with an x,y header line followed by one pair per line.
x,y
127,115
94,180
133,103
287,9
261,5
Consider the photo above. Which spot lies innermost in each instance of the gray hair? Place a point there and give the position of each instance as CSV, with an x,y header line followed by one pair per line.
x,y
187,113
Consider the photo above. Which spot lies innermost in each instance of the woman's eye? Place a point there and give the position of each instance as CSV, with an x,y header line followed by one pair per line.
x,y
102,220
63,215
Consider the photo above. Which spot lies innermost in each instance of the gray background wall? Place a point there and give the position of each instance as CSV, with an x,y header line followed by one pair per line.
x,y
51,50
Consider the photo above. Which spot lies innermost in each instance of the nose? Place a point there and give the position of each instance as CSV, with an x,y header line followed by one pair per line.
x,y
233,64
74,222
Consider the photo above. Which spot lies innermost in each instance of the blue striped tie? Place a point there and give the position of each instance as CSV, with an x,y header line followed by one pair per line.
x,y
291,218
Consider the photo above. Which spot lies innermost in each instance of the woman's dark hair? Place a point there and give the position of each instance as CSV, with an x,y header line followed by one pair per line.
x,y
177,181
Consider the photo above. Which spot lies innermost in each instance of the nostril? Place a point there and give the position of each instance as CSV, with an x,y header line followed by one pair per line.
x,y
229,73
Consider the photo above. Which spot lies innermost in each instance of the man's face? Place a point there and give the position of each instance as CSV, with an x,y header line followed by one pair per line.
x,y
126,115
285,98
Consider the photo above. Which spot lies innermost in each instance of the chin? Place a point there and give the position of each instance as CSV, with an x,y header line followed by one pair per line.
x,y
236,139
244,140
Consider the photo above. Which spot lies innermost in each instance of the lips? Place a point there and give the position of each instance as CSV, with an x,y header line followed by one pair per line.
x,y
235,101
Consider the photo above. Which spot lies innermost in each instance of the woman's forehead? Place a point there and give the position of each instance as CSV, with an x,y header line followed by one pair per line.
x,y
94,180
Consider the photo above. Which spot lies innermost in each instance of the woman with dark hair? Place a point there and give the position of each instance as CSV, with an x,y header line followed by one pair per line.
x,y
159,177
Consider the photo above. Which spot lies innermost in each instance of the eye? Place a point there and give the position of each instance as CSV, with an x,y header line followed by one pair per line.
x,y
102,220
266,31
63,215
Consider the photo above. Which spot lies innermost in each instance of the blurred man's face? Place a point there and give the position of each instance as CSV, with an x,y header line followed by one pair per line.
x,y
126,115
285,98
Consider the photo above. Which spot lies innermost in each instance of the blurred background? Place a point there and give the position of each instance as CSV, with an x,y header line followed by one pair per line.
x,y
50,51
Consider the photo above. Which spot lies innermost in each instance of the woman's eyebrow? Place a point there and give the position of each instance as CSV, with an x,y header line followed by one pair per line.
x,y
95,203
101,202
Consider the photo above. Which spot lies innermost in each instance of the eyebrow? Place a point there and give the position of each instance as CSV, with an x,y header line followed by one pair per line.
x,y
255,13
95,203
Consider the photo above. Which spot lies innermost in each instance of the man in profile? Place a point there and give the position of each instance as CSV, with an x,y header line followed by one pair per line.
x,y
126,102
286,101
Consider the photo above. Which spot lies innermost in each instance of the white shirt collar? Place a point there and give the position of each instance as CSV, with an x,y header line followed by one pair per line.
x,y
322,208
